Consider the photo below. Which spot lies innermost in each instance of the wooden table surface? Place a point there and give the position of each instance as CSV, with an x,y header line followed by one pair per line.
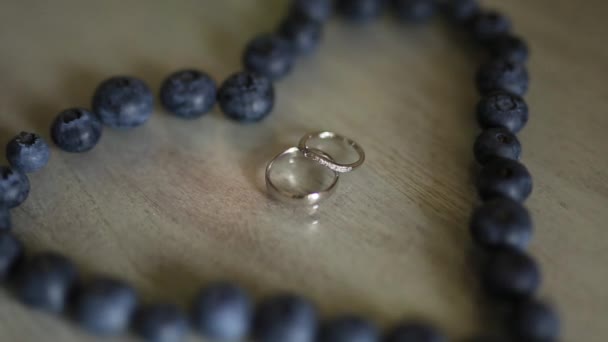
x,y
173,205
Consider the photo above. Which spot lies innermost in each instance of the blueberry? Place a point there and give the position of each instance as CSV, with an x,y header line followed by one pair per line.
x,y
502,223
76,130
246,97
510,48
415,332
5,219
269,55
302,33
46,281
123,102
161,323
511,274
490,24
28,152
461,11
14,187
502,109
487,338
496,142
361,11
533,320
222,312
416,11
188,94
503,75
105,306
11,253
348,329
285,318
317,10
504,178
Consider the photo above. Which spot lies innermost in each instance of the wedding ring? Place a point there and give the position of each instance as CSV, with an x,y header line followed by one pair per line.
x,y
283,186
323,158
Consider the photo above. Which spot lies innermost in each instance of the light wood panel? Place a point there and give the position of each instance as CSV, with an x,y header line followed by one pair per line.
x,y
174,204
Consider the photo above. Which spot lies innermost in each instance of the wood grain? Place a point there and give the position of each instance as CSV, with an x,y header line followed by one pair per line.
x,y
173,205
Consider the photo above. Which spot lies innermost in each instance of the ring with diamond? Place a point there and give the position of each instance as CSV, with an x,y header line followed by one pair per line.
x,y
326,160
